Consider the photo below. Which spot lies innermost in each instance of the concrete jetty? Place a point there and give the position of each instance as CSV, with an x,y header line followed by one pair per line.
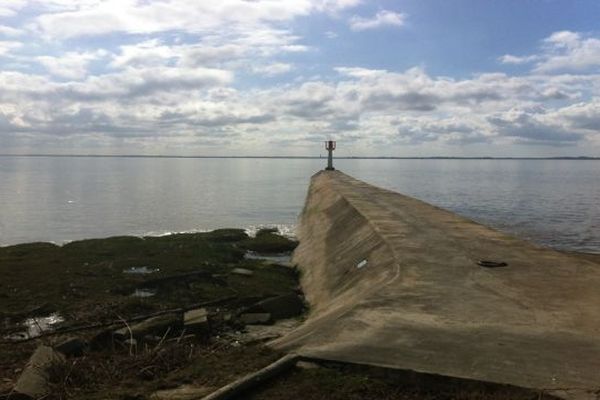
x,y
398,283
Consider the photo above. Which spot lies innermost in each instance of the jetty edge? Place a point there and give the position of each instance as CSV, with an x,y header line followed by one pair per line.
x,y
397,283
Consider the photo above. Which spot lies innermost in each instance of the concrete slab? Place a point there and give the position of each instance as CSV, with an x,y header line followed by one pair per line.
x,y
242,271
156,325
421,302
196,320
185,392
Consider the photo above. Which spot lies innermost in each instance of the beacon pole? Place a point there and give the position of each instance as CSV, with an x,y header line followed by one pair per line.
x,y
330,147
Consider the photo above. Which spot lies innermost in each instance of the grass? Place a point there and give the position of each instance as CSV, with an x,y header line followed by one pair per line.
x,y
116,374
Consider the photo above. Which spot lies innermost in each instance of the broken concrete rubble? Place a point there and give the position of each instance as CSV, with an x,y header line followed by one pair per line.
x,y
185,392
34,381
242,271
156,325
196,320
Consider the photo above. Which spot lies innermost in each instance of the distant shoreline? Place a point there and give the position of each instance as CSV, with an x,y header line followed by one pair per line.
x,y
578,158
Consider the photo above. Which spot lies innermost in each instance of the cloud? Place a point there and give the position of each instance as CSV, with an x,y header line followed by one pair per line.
x,y
562,51
9,8
216,118
143,82
565,39
568,51
272,69
177,73
533,127
357,72
147,53
130,16
410,107
584,116
510,59
6,46
70,65
382,19
230,50
448,130
6,30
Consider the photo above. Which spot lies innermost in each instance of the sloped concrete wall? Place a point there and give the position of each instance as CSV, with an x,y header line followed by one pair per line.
x,y
335,238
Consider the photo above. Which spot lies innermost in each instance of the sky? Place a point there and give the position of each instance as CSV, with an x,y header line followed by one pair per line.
x,y
278,77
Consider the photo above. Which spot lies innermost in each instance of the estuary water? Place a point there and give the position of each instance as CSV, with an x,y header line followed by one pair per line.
x,y
555,203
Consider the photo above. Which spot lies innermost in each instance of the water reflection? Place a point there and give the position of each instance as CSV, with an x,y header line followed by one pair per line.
x,y
34,327
551,202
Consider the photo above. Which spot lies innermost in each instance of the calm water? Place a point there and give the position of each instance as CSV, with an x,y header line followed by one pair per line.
x,y
551,202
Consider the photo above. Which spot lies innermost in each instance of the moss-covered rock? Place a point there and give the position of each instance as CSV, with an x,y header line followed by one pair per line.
x,y
268,242
89,274
227,235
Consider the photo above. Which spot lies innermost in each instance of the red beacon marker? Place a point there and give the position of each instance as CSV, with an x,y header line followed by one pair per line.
x,y
330,147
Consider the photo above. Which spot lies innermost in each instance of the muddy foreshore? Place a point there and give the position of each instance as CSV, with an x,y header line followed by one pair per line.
x,y
50,293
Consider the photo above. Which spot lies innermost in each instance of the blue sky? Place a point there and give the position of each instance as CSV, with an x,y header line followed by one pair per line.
x,y
224,77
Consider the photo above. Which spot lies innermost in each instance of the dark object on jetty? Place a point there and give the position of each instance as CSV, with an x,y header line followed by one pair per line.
x,y
491,264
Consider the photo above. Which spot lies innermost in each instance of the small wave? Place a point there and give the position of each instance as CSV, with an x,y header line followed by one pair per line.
x,y
169,233
287,230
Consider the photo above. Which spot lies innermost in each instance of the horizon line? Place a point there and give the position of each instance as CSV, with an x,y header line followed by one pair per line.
x,y
305,157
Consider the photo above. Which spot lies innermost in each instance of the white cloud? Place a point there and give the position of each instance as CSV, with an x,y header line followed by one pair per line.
x,y
272,69
409,107
146,53
533,126
191,85
6,46
383,18
8,8
70,65
562,51
10,31
356,72
252,51
335,5
510,59
564,39
102,17
570,52
585,116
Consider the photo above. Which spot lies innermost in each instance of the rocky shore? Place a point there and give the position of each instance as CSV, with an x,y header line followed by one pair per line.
x,y
131,317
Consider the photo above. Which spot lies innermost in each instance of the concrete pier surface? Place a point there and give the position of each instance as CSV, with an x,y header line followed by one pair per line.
x,y
395,282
